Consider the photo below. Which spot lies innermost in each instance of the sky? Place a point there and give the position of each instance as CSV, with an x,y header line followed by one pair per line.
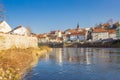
x,y
43,16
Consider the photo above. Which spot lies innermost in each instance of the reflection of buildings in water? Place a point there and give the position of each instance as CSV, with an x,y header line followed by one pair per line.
x,y
77,55
88,55
100,55
67,54
96,55
59,56
113,54
82,55
88,58
72,54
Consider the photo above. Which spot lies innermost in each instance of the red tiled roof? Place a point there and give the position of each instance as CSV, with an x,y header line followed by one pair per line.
x,y
111,31
72,30
98,30
76,33
41,36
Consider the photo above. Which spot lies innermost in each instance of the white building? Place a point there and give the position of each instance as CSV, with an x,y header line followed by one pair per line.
x,y
99,34
74,34
42,38
20,30
4,27
112,34
58,33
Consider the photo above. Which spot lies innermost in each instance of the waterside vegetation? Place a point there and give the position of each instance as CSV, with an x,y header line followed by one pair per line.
x,y
15,62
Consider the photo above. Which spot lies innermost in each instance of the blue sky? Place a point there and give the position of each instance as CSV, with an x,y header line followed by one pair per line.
x,y
47,15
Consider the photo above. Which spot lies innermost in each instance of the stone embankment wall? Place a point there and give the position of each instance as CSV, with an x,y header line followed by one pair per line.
x,y
8,41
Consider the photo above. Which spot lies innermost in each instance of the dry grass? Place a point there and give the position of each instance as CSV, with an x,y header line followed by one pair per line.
x,y
13,62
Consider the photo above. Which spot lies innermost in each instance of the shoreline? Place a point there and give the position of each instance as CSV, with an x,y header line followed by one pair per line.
x,y
14,63
86,45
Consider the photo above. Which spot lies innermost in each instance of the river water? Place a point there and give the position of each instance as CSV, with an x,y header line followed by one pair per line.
x,y
78,64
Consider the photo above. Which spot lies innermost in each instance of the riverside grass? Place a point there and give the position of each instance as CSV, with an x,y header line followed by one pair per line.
x,y
15,62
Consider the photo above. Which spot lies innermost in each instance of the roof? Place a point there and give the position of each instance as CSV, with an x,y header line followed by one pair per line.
x,y
75,30
16,28
112,31
41,36
99,30
78,33
72,30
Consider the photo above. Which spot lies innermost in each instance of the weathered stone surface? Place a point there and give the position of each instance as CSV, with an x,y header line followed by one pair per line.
x,y
8,41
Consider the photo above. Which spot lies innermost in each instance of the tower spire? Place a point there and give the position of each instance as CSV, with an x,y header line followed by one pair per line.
x,y
78,26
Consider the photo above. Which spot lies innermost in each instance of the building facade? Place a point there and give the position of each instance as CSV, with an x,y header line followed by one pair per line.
x,y
20,30
99,34
112,33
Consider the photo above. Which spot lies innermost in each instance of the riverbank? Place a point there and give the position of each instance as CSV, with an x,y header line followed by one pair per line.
x,y
112,44
15,62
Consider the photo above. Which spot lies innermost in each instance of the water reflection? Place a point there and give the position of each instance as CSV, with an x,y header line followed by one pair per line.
x,y
84,55
81,63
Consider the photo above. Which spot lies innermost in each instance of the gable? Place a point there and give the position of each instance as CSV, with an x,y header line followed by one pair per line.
x,y
4,27
20,30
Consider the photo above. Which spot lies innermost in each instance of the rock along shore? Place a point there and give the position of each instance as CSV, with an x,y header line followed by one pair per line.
x,y
15,62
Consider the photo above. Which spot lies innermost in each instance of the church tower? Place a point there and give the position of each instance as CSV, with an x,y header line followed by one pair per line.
x,y
78,26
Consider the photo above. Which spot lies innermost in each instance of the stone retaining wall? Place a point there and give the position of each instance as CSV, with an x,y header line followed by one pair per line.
x,y
8,41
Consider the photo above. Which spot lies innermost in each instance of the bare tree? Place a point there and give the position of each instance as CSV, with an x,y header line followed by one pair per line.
x,y
2,16
110,21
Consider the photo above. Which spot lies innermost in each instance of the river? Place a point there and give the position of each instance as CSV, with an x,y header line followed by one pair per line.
x,y
78,64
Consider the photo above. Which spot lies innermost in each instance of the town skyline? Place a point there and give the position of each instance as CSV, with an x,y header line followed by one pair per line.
x,y
46,15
